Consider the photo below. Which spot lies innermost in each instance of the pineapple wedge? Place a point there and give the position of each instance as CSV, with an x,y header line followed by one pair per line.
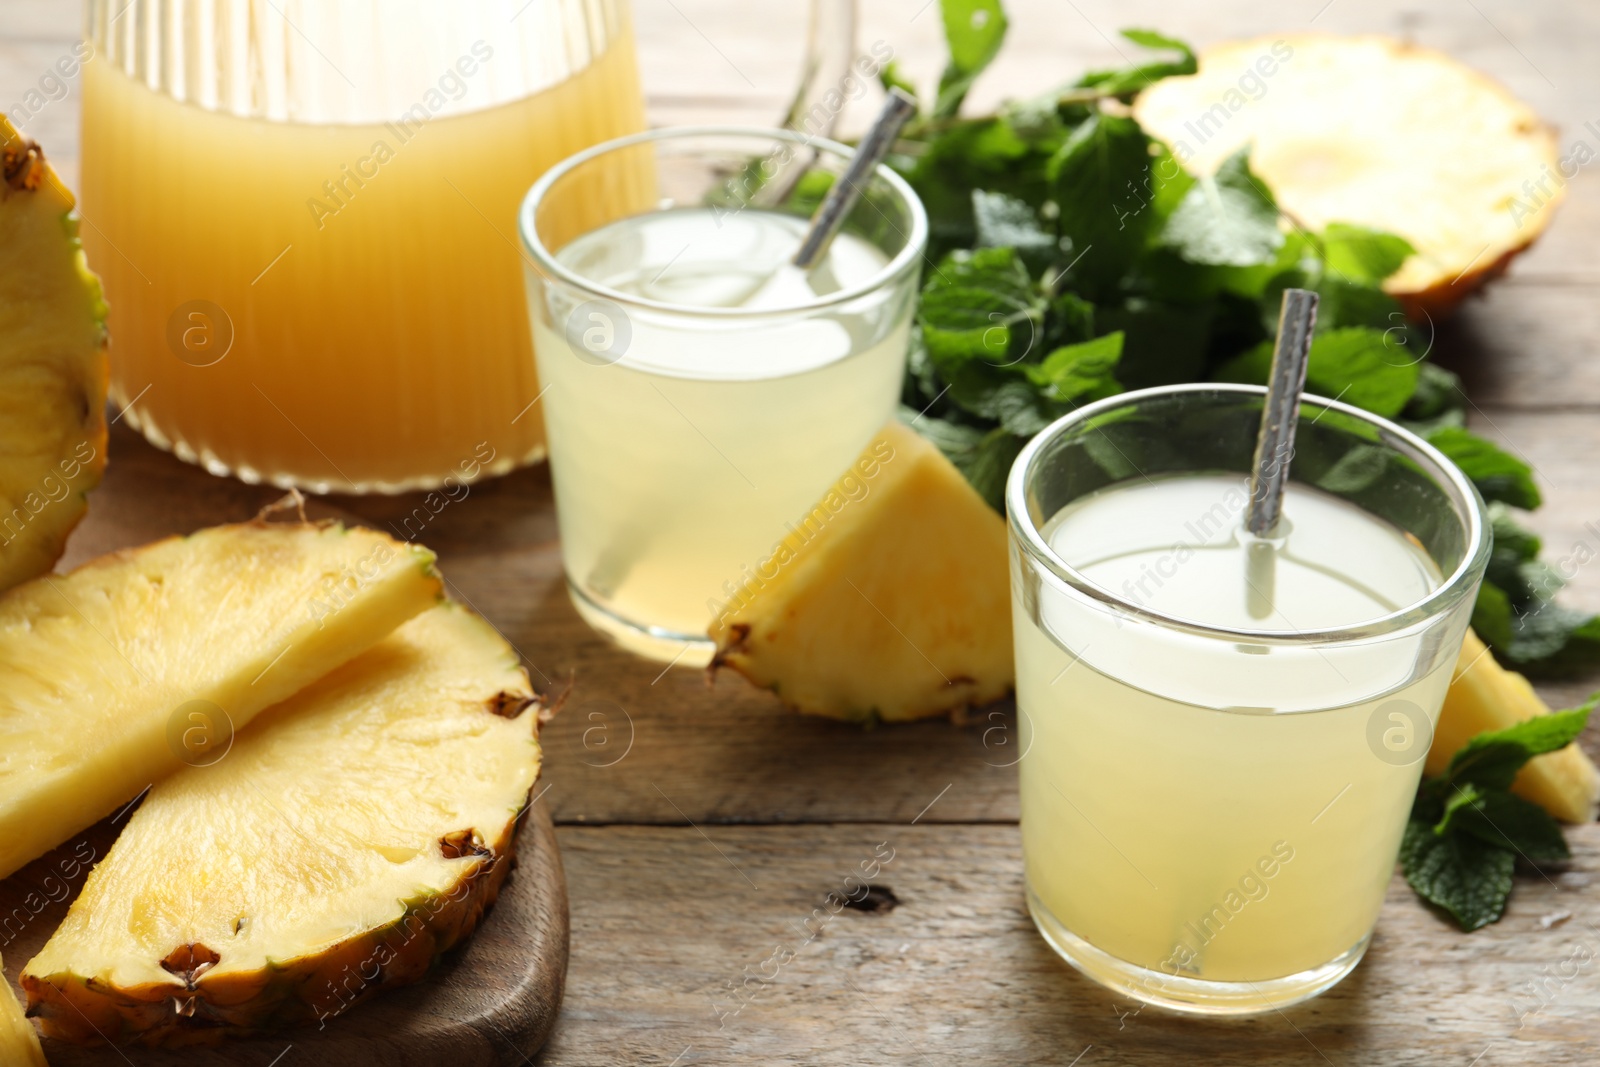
x,y
353,834
1380,133
118,673
19,1045
52,364
1485,696
890,602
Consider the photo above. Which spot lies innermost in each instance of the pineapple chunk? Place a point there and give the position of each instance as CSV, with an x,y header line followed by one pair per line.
x,y
353,834
1380,133
112,676
19,1045
52,365
892,600
1485,696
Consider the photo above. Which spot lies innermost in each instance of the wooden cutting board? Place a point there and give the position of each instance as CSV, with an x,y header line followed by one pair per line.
x,y
489,1003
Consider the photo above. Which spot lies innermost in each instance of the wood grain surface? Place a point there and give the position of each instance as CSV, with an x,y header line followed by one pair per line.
x,y
701,828
486,1004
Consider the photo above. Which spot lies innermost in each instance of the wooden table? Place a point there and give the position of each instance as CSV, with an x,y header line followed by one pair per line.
x,y
702,825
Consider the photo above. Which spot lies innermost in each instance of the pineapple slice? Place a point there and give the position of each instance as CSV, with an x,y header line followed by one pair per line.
x,y
19,1045
1373,131
115,675
891,601
1485,696
353,834
52,364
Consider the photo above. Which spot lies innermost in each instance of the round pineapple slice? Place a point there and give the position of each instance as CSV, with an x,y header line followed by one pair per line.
x,y
1372,131
52,364
357,831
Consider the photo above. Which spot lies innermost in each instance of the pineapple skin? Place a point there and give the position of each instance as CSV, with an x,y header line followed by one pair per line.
x,y
41,809
894,606
53,364
19,1045
1485,696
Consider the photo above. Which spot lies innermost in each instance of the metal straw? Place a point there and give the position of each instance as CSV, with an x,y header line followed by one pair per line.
x,y
830,214
1280,412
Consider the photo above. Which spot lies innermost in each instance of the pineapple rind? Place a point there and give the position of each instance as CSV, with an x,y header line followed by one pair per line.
x,y
94,664
19,1045
370,729
53,368
896,608
1485,696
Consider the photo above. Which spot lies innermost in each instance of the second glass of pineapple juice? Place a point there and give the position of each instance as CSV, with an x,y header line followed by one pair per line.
x,y
703,394
1223,736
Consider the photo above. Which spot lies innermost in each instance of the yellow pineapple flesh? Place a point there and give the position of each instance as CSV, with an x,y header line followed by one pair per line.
x,y
122,671
52,364
353,834
1485,696
1376,132
19,1045
889,602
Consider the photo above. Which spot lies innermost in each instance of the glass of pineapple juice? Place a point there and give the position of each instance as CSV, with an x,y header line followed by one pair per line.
x,y
1223,736
701,393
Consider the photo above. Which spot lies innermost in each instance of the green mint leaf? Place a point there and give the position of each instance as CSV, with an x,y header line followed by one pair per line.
x,y
1492,759
1492,617
973,31
1507,821
1510,536
1080,373
1362,256
1438,392
1358,365
1548,639
1129,80
1162,342
975,305
1099,181
1005,222
1355,365
1465,876
1497,474
1227,219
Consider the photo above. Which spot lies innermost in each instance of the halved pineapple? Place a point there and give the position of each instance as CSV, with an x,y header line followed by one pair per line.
x,y
353,834
1485,696
891,601
19,1045
117,674
1374,131
52,364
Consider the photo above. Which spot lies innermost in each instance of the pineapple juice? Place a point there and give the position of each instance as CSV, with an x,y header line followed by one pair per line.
x,y
685,447
336,306
1228,819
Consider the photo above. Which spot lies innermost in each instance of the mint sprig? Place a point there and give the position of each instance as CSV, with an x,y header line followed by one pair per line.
x,y
1059,221
1467,830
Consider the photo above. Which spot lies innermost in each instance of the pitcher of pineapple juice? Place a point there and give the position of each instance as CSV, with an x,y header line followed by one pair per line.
x,y
304,215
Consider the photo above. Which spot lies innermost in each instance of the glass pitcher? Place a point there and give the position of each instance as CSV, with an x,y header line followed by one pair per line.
x,y
304,216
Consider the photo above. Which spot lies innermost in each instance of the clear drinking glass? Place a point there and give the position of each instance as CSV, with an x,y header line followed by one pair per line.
x,y
1211,813
696,406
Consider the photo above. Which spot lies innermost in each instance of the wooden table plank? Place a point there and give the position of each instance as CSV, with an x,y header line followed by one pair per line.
x,y
666,930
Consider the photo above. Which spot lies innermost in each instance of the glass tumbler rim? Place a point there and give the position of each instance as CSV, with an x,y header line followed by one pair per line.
x,y
545,262
1461,581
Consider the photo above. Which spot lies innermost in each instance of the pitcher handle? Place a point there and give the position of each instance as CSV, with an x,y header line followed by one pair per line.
x,y
830,51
